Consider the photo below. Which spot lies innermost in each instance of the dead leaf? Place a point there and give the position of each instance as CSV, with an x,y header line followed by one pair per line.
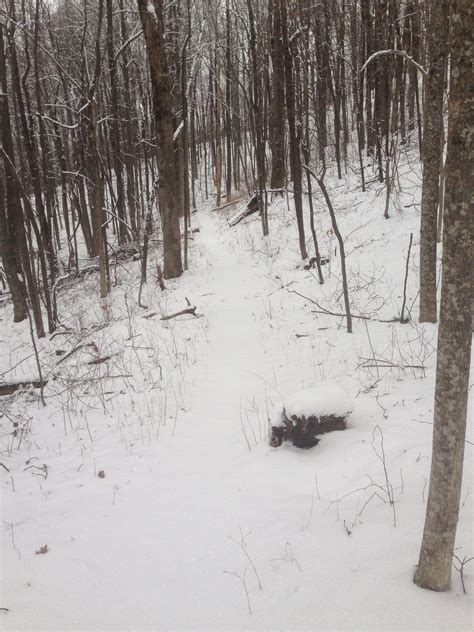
x,y
42,550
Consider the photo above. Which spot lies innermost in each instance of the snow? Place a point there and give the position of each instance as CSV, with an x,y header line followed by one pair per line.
x,y
178,130
327,398
195,507
151,9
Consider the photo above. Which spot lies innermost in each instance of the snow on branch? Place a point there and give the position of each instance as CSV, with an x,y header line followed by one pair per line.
x,y
151,10
400,53
178,130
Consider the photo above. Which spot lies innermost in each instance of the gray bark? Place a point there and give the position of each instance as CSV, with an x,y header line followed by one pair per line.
x,y
432,147
151,15
277,121
454,338
10,207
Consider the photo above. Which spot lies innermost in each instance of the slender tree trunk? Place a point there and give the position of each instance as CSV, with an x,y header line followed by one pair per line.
x,y
10,206
185,145
228,103
295,155
277,119
218,129
97,195
115,136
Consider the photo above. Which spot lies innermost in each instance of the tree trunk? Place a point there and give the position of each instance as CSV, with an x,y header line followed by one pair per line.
x,y
277,121
295,156
10,207
115,136
432,134
151,15
454,337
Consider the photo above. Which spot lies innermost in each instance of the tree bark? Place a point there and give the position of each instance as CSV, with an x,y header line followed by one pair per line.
x,y
115,136
10,207
151,15
454,337
432,134
295,156
277,121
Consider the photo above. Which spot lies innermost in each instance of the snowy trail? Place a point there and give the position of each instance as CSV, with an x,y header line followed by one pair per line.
x,y
168,529
157,544
235,352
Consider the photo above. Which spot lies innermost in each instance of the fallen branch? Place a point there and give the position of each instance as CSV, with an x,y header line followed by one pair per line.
x,y
323,310
188,310
191,309
99,360
81,346
88,380
218,208
380,363
10,387
61,333
43,470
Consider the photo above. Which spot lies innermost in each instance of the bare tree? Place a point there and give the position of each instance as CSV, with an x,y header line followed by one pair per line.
x,y
10,207
294,129
151,15
454,338
432,148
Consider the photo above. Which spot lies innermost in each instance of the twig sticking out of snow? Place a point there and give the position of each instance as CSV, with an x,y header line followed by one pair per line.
x,y
243,545
241,578
460,568
404,320
380,452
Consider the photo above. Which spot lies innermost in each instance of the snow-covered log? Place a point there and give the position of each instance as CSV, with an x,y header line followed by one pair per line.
x,y
310,412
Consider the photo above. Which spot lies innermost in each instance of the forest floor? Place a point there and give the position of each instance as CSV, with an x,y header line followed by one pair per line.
x,y
149,476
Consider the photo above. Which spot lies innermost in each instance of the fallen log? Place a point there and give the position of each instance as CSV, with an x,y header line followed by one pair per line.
x,y
252,206
10,387
219,208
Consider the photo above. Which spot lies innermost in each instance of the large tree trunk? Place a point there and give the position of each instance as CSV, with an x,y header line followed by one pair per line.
x,y
454,339
151,15
432,135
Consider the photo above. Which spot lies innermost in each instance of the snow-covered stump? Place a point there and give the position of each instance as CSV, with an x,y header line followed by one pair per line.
x,y
313,411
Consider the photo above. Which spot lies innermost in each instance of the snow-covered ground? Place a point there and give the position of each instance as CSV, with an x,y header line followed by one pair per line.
x,y
149,475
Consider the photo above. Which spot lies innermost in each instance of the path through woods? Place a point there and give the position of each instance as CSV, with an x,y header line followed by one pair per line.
x,y
157,543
